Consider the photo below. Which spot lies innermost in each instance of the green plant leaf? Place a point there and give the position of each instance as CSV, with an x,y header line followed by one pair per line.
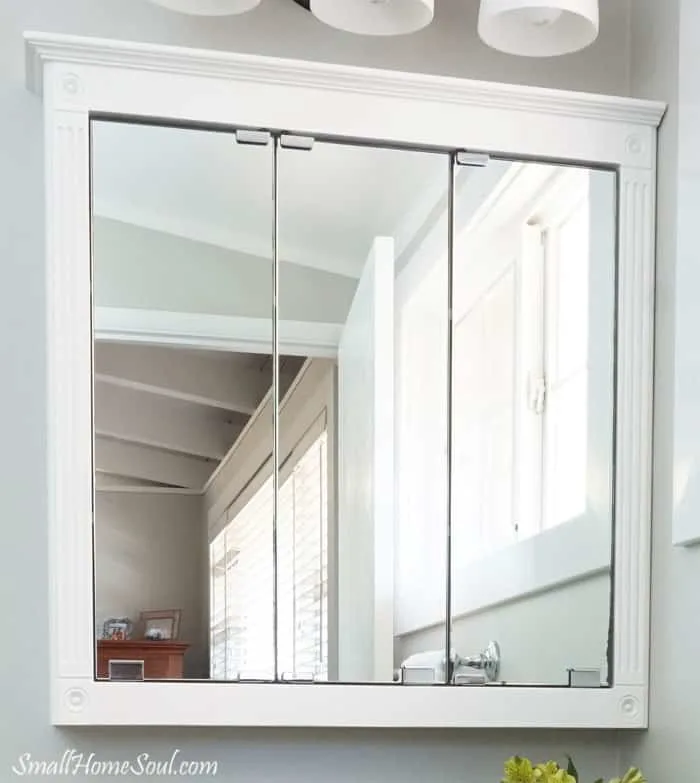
x,y
571,769
518,770
633,776
600,780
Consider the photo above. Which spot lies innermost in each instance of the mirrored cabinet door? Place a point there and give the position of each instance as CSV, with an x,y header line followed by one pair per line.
x,y
532,423
183,411
362,522
353,412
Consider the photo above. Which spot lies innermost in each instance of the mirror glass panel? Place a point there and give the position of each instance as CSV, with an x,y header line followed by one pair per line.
x,y
183,283
363,438
362,505
532,423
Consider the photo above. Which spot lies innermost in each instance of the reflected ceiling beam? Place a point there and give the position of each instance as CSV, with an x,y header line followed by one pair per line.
x,y
110,481
228,334
105,482
139,417
205,380
140,462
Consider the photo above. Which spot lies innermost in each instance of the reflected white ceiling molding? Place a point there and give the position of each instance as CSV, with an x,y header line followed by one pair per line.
x,y
538,28
375,17
208,7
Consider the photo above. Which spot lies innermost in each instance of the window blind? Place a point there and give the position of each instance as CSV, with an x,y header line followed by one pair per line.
x,y
303,567
242,612
242,575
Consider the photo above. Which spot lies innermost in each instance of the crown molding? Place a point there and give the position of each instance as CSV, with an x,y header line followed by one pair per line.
x,y
42,48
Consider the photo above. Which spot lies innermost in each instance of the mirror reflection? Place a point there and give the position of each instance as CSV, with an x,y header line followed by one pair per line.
x,y
182,278
532,420
412,505
351,429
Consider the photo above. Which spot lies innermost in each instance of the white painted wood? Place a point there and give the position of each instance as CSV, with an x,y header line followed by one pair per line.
x,y
69,395
123,413
79,76
83,702
366,475
216,332
128,459
633,475
224,67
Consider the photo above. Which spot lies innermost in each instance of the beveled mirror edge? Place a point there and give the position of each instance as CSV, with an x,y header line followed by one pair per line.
x,y
79,77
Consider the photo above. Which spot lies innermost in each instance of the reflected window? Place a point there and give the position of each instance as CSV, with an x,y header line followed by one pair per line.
x,y
303,567
521,356
241,616
565,350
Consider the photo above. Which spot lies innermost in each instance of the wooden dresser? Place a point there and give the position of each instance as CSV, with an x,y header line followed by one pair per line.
x,y
161,660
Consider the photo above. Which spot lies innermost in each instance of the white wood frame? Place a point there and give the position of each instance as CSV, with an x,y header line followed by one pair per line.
x,y
79,77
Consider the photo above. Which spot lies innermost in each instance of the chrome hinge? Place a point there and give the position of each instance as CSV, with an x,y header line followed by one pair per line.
x,y
259,138
473,159
289,141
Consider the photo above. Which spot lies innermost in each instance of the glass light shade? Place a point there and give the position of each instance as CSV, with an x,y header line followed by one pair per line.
x,y
538,29
375,17
208,7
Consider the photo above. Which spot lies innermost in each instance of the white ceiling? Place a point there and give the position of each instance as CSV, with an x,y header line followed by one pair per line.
x,y
203,185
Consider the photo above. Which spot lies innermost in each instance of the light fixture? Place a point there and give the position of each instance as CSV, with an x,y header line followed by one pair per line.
x,y
208,7
375,17
366,17
538,29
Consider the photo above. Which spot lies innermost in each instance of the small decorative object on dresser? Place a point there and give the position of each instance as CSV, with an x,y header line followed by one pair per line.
x,y
160,625
117,628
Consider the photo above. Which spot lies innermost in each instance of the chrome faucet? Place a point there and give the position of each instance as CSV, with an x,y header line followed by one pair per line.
x,y
487,663
430,667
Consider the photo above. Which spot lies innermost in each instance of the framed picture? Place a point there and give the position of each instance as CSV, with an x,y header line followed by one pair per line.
x,y
117,629
160,625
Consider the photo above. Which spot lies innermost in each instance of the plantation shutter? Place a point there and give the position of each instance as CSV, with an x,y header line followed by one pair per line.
x,y
242,638
241,566
303,559
217,608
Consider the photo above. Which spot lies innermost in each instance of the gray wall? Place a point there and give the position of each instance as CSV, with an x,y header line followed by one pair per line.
x,y
260,756
151,553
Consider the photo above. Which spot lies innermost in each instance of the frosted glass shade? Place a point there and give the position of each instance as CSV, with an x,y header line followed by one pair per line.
x,y
208,7
538,29
375,17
